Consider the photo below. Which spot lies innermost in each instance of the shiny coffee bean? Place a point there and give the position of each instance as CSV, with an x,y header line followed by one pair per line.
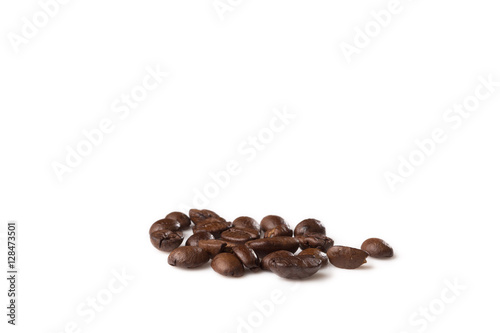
x,y
165,224
182,218
212,246
264,246
188,257
309,226
245,222
195,238
316,253
315,240
247,256
265,261
166,240
295,267
228,264
377,248
213,226
281,230
239,235
198,216
271,221
346,257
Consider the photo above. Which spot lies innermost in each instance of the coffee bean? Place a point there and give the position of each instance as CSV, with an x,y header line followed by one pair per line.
x,y
264,246
239,235
182,218
245,222
165,224
265,261
346,257
309,226
247,256
271,221
377,248
212,246
195,238
316,253
295,267
188,257
315,240
166,240
213,226
281,230
198,216
228,264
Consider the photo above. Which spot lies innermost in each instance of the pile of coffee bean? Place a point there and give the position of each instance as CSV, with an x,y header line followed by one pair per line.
x,y
234,246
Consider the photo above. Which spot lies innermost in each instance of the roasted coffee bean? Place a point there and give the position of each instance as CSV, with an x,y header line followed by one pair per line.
x,y
316,253
228,264
309,226
315,240
270,222
165,224
264,246
346,257
188,257
265,261
212,226
239,235
212,246
281,230
245,222
295,267
377,248
166,240
195,238
247,256
182,218
198,216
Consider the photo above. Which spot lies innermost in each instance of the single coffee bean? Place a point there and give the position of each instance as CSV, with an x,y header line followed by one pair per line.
x,y
212,246
315,240
239,235
377,248
270,222
213,226
281,230
195,238
245,222
346,257
316,253
264,246
309,226
165,224
188,257
265,261
247,256
228,264
198,216
295,267
182,218
166,240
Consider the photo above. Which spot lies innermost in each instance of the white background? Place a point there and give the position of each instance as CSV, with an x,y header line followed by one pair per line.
x,y
352,122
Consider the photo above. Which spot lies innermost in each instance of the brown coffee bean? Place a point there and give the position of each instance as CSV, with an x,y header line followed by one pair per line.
x,y
245,222
239,235
377,248
188,257
198,216
265,261
212,246
228,264
165,224
316,253
346,257
295,267
281,230
270,222
315,240
166,240
247,256
195,238
182,218
213,226
309,226
264,246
